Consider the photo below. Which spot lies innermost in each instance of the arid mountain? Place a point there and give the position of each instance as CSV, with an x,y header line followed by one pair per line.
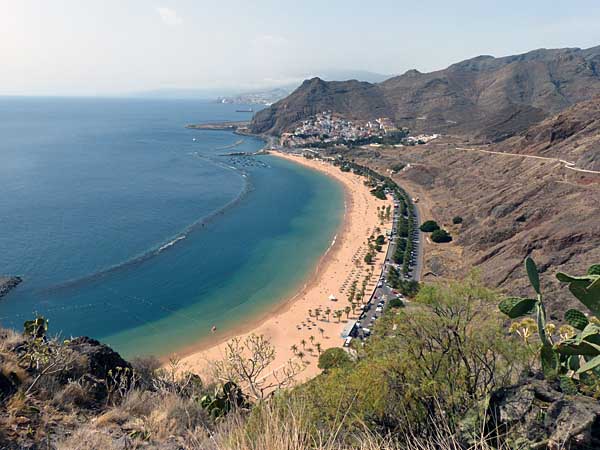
x,y
513,203
485,97
353,99
573,135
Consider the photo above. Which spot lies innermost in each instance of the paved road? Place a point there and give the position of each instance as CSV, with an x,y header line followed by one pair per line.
x,y
419,251
384,293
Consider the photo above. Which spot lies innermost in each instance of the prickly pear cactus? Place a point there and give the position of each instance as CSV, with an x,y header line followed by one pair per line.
x,y
576,319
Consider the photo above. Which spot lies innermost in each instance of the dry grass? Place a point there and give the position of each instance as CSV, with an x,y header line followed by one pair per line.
x,y
72,396
86,439
167,421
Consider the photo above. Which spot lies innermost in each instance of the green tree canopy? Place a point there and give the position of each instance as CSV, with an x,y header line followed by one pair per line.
x,y
440,236
333,358
429,226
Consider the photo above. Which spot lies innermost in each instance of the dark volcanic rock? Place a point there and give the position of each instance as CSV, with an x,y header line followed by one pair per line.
x,y
8,283
539,412
98,358
7,387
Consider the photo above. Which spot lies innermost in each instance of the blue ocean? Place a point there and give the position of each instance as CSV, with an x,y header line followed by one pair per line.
x,y
128,227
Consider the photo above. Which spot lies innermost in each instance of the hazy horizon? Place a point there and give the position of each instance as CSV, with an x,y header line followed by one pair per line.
x,y
68,48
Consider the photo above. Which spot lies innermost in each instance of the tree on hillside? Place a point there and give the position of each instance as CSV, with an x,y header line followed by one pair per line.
x,y
246,361
333,358
440,236
457,220
429,226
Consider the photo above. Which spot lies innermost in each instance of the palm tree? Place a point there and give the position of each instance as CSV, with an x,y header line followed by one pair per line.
x,y
294,348
338,314
318,347
322,331
347,310
311,339
301,355
303,343
328,312
310,312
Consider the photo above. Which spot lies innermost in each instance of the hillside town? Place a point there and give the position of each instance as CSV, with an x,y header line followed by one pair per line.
x,y
326,129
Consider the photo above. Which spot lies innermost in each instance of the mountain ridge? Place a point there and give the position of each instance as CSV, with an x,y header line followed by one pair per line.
x,y
485,98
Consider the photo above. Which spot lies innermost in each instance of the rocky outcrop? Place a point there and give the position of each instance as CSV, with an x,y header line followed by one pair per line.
x,y
573,135
98,359
537,414
8,283
484,97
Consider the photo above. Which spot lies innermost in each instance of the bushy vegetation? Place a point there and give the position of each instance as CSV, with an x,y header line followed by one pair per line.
x,y
456,220
426,364
396,303
334,358
427,370
428,226
570,353
408,288
440,236
379,193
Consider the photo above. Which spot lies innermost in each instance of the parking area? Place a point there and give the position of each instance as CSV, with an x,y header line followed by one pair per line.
x,y
383,293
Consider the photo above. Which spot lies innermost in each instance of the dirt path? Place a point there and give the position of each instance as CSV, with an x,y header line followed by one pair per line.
x,y
566,164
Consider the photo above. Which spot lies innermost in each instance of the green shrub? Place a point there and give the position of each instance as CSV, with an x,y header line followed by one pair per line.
x,y
413,372
457,220
429,226
380,239
396,303
333,358
440,236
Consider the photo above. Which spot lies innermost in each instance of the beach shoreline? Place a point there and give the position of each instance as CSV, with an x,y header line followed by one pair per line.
x,y
289,323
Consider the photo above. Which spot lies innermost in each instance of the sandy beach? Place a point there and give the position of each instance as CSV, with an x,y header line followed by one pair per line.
x,y
295,321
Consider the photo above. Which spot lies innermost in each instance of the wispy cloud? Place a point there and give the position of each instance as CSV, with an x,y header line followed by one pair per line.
x,y
169,16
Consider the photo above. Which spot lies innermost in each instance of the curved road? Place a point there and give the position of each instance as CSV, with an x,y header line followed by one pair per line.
x,y
566,164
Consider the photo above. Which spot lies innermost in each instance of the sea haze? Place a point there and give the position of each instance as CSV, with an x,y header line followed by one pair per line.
x,y
132,229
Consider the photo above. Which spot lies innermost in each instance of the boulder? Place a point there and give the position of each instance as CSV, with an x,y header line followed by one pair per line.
x,y
7,387
537,414
96,358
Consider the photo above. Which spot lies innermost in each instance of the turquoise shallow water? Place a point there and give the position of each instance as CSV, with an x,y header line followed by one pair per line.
x,y
132,229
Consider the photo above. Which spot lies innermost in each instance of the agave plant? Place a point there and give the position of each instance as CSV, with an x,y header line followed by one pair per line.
x,y
570,356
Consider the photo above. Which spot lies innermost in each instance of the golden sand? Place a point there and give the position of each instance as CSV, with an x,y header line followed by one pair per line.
x,y
343,263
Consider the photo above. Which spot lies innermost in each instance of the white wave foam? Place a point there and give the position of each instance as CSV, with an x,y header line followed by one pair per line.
x,y
170,244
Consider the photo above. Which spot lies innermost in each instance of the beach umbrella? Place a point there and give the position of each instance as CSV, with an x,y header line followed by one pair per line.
x,y
333,298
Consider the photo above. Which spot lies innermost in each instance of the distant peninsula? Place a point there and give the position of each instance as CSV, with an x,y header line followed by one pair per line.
x,y
240,126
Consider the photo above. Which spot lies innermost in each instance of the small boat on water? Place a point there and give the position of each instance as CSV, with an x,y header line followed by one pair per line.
x,y
244,110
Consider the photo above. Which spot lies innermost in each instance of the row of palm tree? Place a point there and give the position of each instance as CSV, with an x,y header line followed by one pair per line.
x,y
301,353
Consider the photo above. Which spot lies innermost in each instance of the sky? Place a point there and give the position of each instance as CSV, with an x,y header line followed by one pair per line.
x,y
116,47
